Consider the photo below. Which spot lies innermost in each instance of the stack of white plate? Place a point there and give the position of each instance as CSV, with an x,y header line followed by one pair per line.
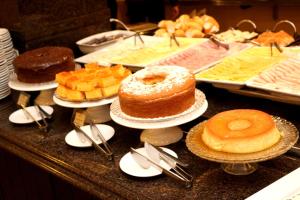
x,y
6,46
4,76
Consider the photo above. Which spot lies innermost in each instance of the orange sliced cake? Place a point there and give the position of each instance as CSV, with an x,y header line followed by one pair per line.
x,y
93,82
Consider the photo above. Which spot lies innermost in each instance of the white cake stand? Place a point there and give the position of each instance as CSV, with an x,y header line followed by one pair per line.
x,y
155,127
98,110
46,89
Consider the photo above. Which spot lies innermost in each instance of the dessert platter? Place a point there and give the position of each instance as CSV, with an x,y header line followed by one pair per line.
x,y
93,87
89,87
192,113
158,97
35,70
239,140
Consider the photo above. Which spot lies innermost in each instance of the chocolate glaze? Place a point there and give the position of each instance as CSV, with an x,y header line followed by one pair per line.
x,y
42,58
41,65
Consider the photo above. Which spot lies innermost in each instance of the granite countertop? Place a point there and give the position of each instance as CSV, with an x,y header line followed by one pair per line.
x,y
88,170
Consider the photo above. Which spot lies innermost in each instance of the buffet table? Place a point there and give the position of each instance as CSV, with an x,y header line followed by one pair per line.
x,y
94,174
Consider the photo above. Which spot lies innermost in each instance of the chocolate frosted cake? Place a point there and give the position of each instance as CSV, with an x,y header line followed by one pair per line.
x,y
41,65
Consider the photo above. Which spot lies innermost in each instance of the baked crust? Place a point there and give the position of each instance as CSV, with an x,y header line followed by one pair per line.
x,y
158,96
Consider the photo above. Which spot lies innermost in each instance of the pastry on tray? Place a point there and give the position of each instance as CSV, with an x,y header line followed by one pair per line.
x,y
90,83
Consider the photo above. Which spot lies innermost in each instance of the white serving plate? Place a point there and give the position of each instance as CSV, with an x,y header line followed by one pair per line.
x,y
72,138
129,166
15,84
85,104
19,116
153,123
88,48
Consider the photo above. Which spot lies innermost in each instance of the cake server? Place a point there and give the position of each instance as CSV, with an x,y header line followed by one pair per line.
x,y
97,134
146,162
45,127
157,154
41,127
165,154
219,43
47,115
95,145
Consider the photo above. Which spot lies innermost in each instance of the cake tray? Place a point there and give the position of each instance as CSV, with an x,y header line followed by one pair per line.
x,y
195,111
86,104
244,163
15,84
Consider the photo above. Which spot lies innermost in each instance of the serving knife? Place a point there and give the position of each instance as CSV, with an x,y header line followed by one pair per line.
x,y
157,154
167,155
95,145
146,162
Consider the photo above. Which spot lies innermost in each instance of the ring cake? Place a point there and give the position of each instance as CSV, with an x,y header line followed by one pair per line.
x,y
157,91
41,65
240,131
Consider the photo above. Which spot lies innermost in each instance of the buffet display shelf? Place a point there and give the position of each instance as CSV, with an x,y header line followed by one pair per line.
x,y
91,172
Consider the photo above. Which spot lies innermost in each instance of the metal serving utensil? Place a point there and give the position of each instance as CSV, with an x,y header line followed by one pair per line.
x,y
43,118
40,126
120,22
136,35
95,145
169,156
156,153
97,134
219,43
146,162
45,113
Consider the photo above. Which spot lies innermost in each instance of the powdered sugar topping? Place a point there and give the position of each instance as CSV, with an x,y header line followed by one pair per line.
x,y
174,76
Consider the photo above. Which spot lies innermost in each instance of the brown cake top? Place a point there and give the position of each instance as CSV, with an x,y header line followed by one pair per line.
x,y
42,58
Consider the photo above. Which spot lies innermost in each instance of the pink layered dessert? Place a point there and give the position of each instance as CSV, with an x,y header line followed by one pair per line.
x,y
202,56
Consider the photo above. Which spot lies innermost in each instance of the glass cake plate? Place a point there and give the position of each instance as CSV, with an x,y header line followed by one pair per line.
x,y
242,164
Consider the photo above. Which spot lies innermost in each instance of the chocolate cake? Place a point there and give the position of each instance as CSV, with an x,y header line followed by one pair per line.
x,y
42,64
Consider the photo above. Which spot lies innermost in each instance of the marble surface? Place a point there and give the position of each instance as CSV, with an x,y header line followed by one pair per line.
x,y
91,172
